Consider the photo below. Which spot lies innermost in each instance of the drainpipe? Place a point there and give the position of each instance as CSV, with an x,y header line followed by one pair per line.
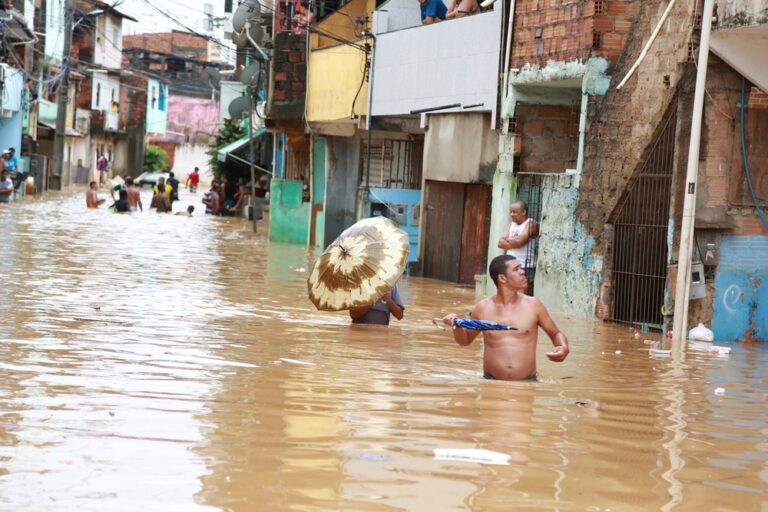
x,y
683,283
507,52
648,44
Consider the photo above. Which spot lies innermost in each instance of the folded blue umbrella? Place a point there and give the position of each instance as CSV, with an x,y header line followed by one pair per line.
x,y
481,325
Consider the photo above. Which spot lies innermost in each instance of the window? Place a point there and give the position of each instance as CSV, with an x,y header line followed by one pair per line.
x,y
153,102
98,96
163,97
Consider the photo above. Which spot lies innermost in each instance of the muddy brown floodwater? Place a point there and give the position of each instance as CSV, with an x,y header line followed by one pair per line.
x,y
155,362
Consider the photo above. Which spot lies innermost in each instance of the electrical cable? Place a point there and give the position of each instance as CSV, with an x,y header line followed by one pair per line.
x,y
747,171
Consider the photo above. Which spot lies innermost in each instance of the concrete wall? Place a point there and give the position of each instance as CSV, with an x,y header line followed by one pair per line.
x,y
108,87
740,13
157,106
109,41
460,148
341,189
187,156
333,80
430,66
396,15
54,29
10,127
288,215
567,273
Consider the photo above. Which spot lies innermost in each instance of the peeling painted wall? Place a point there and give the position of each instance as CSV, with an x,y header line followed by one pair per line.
x,y
739,13
568,273
741,289
460,148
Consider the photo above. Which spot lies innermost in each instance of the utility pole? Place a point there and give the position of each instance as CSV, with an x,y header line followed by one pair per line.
x,y
683,282
61,112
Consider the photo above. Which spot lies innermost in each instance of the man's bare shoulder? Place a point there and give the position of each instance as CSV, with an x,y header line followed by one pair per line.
x,y
484,305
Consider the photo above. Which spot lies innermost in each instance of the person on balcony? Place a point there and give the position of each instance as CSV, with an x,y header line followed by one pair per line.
x,y
432,11
304,17
460,8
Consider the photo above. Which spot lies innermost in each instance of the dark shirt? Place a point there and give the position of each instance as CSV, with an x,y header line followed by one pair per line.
x,y
379,313
174,183
121,205
433,9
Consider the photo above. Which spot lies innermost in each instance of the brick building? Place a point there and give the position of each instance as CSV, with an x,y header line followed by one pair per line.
x,y
603,168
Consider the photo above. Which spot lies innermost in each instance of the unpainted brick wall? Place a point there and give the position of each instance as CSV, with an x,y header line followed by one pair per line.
x,y
567,30
549,137
621,125
290,76
175,43
133,102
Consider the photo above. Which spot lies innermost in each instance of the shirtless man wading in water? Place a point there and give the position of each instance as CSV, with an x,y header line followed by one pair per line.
x,y
511,355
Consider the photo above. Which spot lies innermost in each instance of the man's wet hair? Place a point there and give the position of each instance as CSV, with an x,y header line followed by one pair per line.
x,y
171,175
129,181
190,209
91,184
499,266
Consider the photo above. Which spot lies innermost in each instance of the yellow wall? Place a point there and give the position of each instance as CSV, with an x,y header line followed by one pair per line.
x,y
333,79
335,70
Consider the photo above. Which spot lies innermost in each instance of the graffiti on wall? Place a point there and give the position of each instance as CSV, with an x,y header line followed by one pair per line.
x,y
741,289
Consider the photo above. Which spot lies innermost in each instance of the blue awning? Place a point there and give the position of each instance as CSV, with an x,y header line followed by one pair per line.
x,y
222,152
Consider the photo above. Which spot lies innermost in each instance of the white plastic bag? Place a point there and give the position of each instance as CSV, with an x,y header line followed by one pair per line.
x,y
701,333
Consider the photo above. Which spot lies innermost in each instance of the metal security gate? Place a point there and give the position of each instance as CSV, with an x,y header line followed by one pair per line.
x,y
640,236
394,163
530,191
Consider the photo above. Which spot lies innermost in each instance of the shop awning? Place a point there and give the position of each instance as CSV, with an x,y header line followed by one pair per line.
x,y
222,152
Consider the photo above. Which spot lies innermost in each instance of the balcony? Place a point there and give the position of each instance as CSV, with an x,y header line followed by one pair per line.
x,y
740,38
335,77
451,66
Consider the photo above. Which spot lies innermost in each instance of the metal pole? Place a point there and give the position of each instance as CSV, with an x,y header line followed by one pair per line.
x,y
61,112
251,92
683,282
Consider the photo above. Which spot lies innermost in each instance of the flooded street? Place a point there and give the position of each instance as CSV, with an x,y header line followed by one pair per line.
x,y
156,362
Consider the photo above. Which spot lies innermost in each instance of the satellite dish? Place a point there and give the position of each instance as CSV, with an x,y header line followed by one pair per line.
x,y
239,38
256,32
250,73
245,11
238,106
213,73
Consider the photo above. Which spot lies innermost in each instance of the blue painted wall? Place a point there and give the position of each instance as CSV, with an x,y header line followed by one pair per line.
x,y
741,289
392,197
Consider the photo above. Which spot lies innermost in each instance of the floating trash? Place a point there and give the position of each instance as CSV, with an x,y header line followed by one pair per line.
x,y
480,456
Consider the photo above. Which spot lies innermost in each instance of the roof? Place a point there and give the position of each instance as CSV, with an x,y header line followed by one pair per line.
x,y
222,152
108,8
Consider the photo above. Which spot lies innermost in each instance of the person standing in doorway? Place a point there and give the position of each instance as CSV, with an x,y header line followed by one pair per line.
x,y
102,164
517,240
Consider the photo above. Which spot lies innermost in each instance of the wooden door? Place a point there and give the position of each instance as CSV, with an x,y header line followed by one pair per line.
x,y
444,206
475,231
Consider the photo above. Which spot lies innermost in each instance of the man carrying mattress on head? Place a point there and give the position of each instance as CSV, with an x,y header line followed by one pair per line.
x,y
509,354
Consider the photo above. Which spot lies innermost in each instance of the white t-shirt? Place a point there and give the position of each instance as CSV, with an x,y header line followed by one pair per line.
x,y
526,253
